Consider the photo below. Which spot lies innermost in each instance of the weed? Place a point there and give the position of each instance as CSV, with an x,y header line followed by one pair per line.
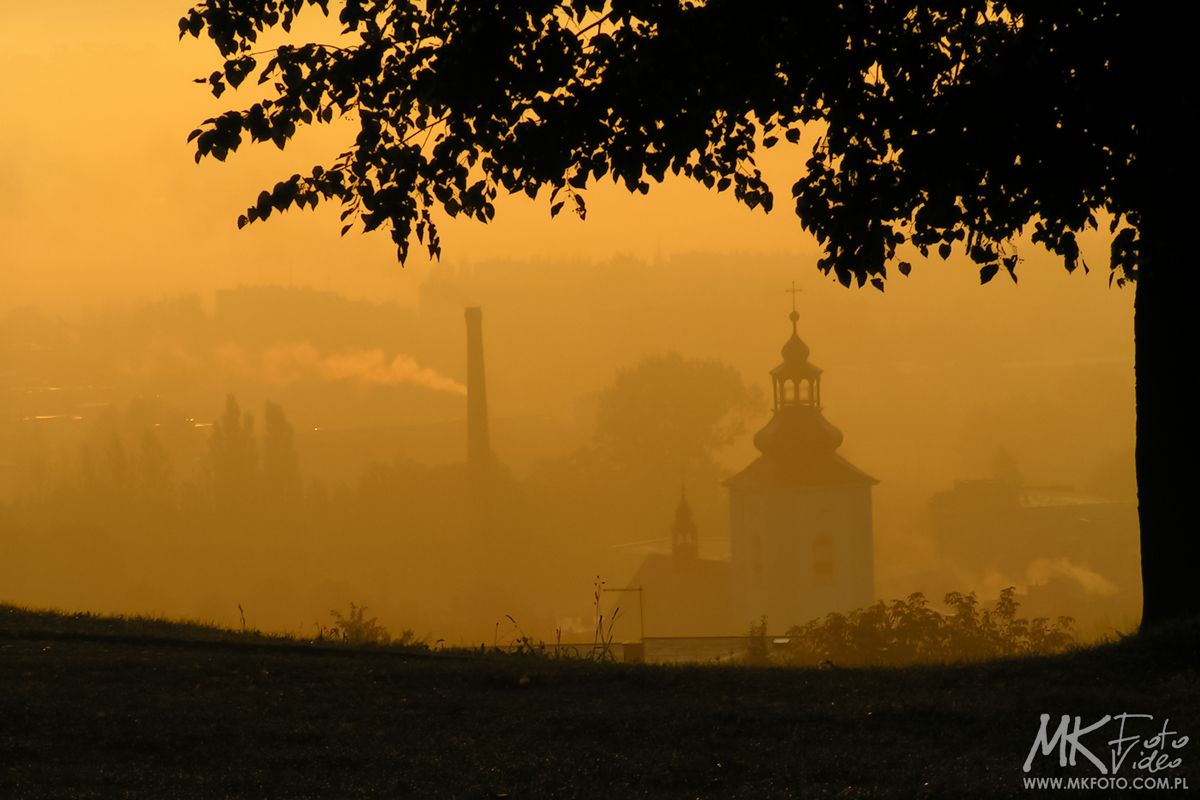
x,y
356,628
601,638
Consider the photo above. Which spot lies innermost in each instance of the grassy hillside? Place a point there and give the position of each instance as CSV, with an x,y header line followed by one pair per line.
x,y
93,707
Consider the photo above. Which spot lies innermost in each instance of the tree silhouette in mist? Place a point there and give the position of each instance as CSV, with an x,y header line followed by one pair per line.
x,y
281,466
673,411
154,479
661,421
234,459
936,127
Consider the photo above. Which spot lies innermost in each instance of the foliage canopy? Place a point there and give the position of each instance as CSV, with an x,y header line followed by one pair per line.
x,y
941,125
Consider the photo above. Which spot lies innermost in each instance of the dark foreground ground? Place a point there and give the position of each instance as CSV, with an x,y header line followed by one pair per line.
x,y
110,708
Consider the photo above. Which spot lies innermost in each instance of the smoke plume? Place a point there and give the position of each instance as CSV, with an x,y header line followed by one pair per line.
x,y
288,363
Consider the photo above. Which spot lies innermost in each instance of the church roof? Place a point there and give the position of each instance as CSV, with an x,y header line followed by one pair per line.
x,y
797,431
686,596
830,470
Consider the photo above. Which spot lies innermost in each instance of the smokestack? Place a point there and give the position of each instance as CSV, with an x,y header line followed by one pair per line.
x,y
479,450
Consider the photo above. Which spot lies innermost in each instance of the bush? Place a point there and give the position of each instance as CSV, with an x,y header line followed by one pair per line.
x,y
909,631
757,650
355,628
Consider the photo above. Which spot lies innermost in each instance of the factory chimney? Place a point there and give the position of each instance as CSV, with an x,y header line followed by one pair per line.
x,y
479,450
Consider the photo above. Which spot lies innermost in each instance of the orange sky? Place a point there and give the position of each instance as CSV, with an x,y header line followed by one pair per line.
x,y
100,199
99,195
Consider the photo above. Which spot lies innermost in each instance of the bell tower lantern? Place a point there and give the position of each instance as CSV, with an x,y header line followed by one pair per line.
x,y
796,381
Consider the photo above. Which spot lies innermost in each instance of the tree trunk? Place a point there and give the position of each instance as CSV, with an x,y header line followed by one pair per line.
x,y
1165,465
1165,315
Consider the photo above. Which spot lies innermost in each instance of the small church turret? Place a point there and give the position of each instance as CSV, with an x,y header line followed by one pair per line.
x,y
684,544
800,514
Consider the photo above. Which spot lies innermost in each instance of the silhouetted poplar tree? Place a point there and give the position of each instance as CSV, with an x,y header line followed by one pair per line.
x,y
155,479
234,458
281,466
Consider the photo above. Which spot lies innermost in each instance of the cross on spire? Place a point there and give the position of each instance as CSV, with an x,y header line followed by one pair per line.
x,y
795,315
793,292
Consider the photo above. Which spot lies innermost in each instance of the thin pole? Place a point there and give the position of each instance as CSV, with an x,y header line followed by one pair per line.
x,y
641,606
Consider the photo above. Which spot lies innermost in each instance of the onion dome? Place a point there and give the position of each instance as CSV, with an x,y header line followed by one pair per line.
x,y
794,351
795,366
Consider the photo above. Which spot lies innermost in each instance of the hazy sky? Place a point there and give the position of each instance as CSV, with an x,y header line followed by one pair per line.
x,y
100,199
99,195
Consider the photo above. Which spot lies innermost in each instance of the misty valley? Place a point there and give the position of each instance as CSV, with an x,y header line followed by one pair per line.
x,y
276,455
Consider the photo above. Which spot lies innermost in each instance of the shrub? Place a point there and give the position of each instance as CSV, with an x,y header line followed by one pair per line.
x,y
909,631
355,628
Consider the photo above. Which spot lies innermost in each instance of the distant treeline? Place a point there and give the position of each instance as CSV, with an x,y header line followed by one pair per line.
x,y
140,518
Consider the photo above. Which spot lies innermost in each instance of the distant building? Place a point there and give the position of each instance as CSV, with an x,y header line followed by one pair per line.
x,y
1004,526
800,535
684,594
800,514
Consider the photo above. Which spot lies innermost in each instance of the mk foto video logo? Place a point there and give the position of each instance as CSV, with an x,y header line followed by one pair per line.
x,y
1122,751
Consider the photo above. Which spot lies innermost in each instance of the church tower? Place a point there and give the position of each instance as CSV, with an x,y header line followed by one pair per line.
x,y
800,514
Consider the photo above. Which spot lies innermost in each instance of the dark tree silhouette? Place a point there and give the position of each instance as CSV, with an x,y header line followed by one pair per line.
x,y
670,413
234,453
282,483
942,126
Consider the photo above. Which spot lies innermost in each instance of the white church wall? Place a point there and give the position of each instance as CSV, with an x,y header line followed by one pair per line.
x,y
800,553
